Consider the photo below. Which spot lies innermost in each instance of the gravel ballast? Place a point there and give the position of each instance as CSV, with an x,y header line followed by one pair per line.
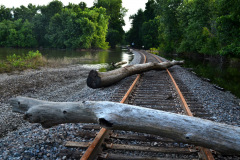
x,y
22,140
224,106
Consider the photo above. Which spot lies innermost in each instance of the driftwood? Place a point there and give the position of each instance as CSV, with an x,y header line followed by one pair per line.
x,y
118,63
220,137
102,79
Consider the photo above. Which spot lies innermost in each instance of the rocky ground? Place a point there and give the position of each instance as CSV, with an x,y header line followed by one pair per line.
x,y
21,140
224,106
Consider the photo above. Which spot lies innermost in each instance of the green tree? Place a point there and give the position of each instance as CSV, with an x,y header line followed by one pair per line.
x,y
199,26
198,31
75,7
17,34
25,13
134,35
42,19
82,29
40,24
51,9
167,10
54,25
26,38
116,13
5,27
83,5
150,33
149,12
144,27
101,23
228,26
5,13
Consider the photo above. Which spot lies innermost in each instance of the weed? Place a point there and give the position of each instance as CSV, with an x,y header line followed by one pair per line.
x,y
15,62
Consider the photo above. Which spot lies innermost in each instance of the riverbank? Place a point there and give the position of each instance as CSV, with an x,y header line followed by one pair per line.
x,y
31,141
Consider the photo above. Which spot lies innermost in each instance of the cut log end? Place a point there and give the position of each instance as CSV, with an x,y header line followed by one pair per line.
x,y
105,123
93,80
18,106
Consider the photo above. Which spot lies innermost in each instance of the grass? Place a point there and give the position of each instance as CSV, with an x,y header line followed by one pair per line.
x,y
154,50
59,62
31,60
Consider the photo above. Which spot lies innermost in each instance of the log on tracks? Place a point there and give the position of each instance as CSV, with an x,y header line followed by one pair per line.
x,y
220,137
118,63
102,79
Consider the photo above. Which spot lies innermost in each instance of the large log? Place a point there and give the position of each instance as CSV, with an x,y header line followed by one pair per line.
x,y
102,79
220,137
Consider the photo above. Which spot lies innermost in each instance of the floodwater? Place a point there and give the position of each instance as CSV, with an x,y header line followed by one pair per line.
x,y
223,71
104,58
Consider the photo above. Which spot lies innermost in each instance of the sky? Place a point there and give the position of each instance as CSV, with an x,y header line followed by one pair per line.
x,y
131,5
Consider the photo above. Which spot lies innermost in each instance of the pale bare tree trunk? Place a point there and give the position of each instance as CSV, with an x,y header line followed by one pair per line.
x,y
220,137
102,79
118,63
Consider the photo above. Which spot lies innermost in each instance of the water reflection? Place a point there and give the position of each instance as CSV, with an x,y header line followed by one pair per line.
x,y
222,71
125,58
103,57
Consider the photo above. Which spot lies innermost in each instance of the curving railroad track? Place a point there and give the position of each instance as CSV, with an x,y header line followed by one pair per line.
x,y
156,90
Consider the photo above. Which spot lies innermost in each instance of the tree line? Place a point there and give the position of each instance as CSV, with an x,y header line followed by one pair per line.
x,y
58,26
188,26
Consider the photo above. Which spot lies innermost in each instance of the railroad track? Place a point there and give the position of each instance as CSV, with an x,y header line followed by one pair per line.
x,y
155,90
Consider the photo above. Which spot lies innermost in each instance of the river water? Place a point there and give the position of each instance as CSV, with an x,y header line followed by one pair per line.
x,y
103,57
223,71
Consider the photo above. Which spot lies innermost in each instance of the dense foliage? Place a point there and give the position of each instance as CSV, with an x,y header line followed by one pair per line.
x,y
193,26
54,25
116,13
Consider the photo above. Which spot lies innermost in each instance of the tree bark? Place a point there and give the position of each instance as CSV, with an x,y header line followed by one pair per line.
x,y
102,79
220,137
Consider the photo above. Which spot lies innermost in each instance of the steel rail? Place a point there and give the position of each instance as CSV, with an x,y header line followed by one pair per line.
x,y
93,148
206,152
186,108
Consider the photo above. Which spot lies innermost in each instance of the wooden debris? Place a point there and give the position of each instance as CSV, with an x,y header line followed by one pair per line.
x,y
191,130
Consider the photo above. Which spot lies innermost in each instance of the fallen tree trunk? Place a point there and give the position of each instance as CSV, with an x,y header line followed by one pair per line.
x,y
220,137
102,79
118,63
